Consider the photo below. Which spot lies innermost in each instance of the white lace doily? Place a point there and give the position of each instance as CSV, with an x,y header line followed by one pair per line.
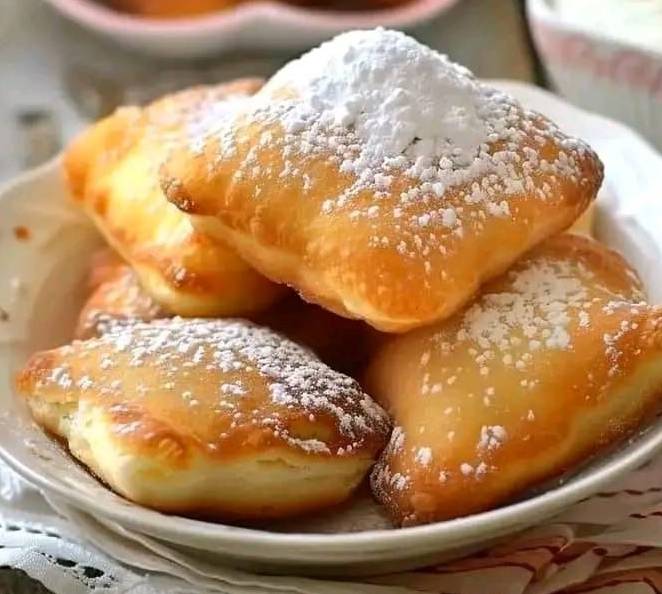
x,y
611,542
46,544
34,539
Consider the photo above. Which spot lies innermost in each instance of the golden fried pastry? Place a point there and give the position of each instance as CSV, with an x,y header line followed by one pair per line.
x,y
116,296
555,360
380,180
212,418
343,344
113,172
105,265
585,224
171,8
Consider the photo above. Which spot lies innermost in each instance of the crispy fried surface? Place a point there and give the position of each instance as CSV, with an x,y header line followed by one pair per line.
x,y
395,251
116,295
207,417
112,170
552,362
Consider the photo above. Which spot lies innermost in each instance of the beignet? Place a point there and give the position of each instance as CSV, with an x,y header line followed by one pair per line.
x,y
213,418
381,180
585,224
112,169
116,295
551,363
343,344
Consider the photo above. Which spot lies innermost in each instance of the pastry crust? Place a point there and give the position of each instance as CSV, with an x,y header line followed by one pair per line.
x,y
550,364
399,243
112,169
116,296
345,345
585,225
213,418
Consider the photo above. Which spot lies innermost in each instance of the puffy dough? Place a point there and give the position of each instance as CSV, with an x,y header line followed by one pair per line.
x,y
112,169
397,241
213,418
585,224
551,363
116,296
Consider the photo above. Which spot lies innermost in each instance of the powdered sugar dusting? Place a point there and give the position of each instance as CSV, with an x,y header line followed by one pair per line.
x,y
486,375
401,98
426,152
423,456
491,437
538,305
189,356
209,119
121,298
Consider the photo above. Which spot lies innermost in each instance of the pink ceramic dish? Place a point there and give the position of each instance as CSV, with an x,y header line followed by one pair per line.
x,y
618,78
257,25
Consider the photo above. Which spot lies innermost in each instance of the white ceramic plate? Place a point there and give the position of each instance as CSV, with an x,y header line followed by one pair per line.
x,y
267,24
40,289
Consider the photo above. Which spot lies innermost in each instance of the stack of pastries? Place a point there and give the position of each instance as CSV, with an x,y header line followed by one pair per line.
x,y
360,268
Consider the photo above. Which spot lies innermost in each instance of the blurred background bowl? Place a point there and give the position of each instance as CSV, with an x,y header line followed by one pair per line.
x,y
599,71
256,25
